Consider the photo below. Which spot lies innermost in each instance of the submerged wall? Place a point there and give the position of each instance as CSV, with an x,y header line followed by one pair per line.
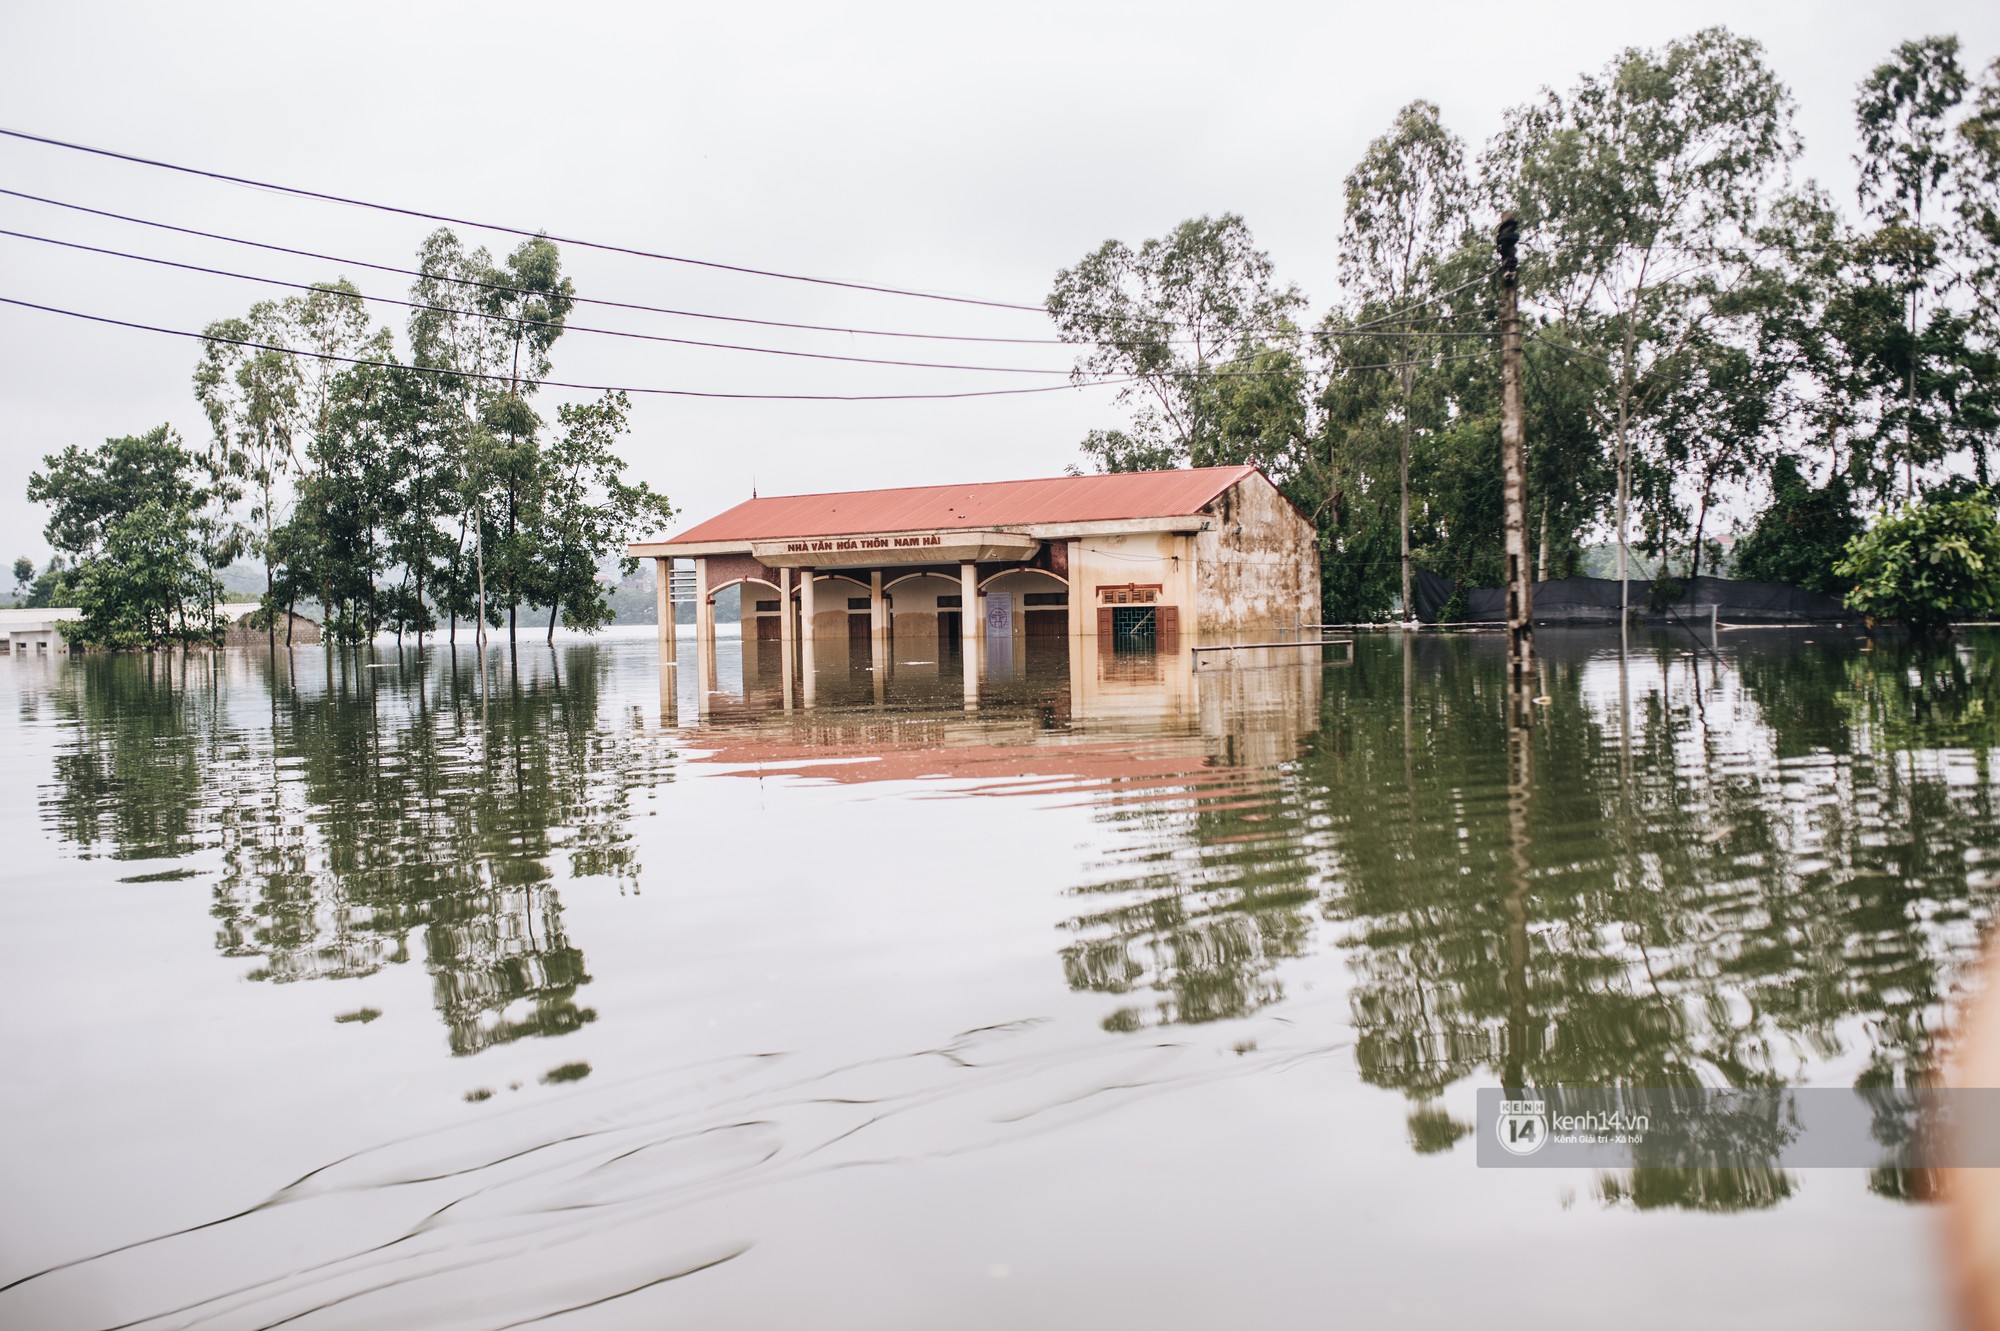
x,y
1257,569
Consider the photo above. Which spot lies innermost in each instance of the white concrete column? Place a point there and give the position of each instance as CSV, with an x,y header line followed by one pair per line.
x,y
663,597
704,613
788,642
970,620
787,629
704,639
878,631
806,629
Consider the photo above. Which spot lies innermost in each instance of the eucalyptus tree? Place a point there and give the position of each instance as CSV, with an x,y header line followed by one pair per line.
x,y
528,301
1977,236
1903,112
353,492
585,511
452,333
489,330
1164,319
1407,206
330,327
1638,181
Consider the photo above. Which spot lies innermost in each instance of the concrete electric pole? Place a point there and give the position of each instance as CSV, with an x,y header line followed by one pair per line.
x,y
1514,468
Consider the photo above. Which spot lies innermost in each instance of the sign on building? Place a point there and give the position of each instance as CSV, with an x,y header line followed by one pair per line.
x,y
999,614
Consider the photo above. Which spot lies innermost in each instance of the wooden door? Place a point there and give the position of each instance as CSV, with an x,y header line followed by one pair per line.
x,y
1048,623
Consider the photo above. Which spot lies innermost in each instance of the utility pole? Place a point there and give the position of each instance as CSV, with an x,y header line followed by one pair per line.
x,y
1409,387
1514,469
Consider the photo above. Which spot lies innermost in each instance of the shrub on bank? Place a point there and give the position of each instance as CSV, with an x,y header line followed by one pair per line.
x,y
1927,563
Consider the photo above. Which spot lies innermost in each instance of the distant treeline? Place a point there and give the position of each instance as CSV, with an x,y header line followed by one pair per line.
x,y
1703,331
400,491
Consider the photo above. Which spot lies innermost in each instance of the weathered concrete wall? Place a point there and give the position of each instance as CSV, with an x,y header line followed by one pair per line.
x,y
1165,558
1257,570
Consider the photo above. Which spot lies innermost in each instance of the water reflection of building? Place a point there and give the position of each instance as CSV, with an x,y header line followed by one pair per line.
x,y
1164,753
1068,697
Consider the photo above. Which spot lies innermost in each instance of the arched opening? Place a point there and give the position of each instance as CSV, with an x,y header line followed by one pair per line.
x,y
924,608
1035,600
841,609
762,608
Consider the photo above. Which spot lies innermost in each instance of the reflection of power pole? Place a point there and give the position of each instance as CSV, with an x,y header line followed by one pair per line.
x,y
1520,785
1514,469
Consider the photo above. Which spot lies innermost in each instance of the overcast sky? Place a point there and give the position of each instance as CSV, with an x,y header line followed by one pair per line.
x,y
971,150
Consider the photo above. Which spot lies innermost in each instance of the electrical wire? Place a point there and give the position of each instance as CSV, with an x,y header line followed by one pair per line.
x,y
1074,383
1358,330
525,323
552,383
422,215
512,290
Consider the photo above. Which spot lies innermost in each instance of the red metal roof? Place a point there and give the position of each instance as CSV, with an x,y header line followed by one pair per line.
x,y
1130,494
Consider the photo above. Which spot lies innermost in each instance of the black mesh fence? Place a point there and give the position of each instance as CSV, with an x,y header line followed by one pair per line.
x,y
1595,601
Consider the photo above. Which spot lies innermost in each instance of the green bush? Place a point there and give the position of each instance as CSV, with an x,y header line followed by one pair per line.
x,y
1927,563
1801,535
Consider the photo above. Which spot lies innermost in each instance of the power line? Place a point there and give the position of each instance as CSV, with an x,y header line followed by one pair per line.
x,y
552,383
422,215
527,323
1396,316
657,337
1359,330
682,392
513,290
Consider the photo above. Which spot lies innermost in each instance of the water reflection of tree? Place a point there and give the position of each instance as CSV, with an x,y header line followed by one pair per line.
x,y
1787,855
381,811
138,733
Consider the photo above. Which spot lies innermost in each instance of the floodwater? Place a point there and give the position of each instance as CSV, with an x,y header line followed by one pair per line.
x,y
360,990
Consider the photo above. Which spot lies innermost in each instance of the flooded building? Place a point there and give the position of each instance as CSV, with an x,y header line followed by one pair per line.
x,y
1134,557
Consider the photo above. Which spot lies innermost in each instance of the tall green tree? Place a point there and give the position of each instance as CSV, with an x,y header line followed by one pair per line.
x,y
1902,112
452,332
529,299
248,385
1635,191
1407,207
1172,318
584,512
